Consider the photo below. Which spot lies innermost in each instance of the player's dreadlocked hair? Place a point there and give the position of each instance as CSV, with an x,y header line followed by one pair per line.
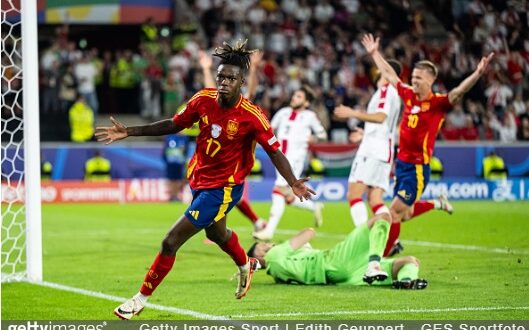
x,y
238,55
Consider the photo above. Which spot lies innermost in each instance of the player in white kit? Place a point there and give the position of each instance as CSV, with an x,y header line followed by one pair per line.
x,y
371,168
295,126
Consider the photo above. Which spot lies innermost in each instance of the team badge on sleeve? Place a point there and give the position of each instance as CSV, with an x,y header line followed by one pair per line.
x,y
215,131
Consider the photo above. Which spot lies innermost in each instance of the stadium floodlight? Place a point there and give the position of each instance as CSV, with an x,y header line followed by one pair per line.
x,y
21,240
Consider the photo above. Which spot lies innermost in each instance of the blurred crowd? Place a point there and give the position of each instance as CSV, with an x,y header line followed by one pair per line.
x,y
314,42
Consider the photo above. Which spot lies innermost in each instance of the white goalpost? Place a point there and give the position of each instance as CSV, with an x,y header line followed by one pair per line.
x,y
21,240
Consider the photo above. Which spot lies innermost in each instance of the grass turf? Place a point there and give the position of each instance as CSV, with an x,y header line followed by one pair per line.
x,y
478,271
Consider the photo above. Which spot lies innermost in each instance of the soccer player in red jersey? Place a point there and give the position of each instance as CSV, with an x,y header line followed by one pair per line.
x,y
206,62
423,115
230,126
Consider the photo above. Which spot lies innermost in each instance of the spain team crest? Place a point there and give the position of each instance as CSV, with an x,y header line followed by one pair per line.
x,y
231,128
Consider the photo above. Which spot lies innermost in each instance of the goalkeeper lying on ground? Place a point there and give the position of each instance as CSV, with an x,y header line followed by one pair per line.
x,y
295,261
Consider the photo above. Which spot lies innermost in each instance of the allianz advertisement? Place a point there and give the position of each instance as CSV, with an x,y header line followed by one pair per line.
x,y
336,190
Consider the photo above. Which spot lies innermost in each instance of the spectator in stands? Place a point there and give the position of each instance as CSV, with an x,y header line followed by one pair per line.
x,y
85,72
523,132
50,88
498,94
67,89
81,121
457,117
506,130
469,132
97,168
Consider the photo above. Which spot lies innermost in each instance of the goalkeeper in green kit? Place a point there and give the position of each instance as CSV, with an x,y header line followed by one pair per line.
x,y
354,261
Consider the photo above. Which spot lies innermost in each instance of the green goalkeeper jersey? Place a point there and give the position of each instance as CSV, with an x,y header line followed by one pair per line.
x,y
344,263
304,265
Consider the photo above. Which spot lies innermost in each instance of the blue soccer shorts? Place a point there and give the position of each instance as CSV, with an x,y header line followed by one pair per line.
x,y
411,179
211,205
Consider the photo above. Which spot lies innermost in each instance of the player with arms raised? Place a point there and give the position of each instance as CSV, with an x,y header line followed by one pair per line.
x,y
423,115
230,125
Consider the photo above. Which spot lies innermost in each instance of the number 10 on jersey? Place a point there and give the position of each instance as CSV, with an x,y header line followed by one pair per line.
x,y
413,120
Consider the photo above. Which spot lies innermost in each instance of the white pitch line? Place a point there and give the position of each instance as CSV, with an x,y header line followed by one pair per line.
x,y
101,295
467,247
204,316
378,312
411,242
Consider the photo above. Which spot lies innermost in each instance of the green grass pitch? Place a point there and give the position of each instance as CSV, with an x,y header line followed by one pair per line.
x,y
476,262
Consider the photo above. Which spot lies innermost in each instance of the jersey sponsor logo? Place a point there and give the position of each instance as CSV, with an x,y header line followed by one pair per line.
x,y
215,131
194,214
272,140
402,193
415,109
232,128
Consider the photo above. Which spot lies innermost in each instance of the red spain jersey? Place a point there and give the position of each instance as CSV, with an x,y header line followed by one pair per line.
x,y
421,121
226,143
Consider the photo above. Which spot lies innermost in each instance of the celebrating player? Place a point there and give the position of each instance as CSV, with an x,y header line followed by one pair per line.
x,y
229,127
371,167
295,126
205,61
424,112
295,261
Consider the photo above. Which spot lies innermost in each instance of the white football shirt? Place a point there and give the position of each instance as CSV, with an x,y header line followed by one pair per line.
x,y
293,130
379,139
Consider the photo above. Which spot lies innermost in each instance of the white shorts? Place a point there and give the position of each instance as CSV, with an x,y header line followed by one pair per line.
x,y
297,169
371,172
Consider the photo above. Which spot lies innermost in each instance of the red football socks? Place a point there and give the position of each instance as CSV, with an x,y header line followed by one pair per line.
x,y
159,268
421,207
235,250
394,232
247,210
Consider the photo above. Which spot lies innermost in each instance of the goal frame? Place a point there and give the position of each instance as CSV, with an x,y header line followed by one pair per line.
x,y
30,106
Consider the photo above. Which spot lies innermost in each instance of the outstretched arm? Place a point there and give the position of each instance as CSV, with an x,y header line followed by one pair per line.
x,y
344,112
371,45
283,166
205,62
118,131
302,238
456,94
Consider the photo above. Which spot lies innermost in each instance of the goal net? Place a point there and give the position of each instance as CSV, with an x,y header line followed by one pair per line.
x,y
21,227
